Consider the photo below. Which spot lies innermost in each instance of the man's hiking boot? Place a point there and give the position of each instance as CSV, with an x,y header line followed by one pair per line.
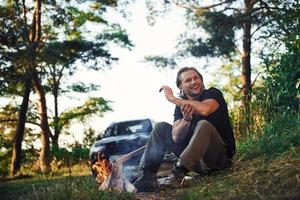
x,y
175,177
147,182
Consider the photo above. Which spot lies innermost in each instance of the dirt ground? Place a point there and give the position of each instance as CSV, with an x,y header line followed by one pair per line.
x,y
163,194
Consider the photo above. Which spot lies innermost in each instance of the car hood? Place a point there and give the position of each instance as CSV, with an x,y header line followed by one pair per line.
x,y
107,140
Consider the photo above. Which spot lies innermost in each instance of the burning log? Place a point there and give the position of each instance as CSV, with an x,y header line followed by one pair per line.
x,y
110,175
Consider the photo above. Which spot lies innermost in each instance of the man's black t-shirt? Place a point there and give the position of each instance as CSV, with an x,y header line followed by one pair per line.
x,y
219,119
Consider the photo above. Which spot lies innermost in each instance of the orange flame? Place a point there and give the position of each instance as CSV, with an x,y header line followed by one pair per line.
x,y
102,168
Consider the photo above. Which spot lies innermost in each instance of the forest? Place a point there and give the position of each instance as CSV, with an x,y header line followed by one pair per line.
x,y
44,43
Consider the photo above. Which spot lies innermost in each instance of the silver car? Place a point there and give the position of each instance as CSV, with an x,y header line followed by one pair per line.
x,y
121,138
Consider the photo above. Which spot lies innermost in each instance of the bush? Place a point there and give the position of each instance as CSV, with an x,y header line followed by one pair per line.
x,y
4,164
280,135
61,154
67,158
79,154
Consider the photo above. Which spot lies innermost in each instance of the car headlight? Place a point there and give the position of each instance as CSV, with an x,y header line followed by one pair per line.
x,y
95,149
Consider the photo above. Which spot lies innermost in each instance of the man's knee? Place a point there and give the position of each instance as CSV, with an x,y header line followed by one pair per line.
x,y
162,128
204,127
204,124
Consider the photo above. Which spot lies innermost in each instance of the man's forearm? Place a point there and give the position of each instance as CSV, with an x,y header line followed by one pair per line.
x,y
177,101
205,107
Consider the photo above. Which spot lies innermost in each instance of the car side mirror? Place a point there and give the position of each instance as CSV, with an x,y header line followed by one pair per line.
x,y
99,136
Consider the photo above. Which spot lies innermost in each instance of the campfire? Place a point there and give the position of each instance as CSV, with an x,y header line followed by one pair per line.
x,y
109,175
102,168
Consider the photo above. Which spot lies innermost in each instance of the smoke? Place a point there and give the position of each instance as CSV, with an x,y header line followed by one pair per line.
x,y
130,172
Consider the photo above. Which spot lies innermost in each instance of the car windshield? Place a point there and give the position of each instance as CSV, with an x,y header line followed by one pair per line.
x,y
129,127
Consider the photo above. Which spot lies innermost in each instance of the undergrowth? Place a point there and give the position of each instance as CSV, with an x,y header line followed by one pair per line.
x,y
278,136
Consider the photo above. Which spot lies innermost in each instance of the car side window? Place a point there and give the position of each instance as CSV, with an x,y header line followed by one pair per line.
x,y
127,128
123,129
147,127
111,131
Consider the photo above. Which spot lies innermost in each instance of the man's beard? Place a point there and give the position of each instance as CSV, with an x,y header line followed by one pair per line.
x,y
195,95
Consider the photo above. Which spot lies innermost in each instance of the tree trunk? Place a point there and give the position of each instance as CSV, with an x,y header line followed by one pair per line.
x,y
246,65
35,37
56,117
18,138
42,110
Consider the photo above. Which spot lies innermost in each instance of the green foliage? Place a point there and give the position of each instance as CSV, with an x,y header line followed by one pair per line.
x,y
79,154
116,34
282,81
89,137
7,130
60,154
66,40
279,136
221,35
65,53
61,157
285,25
92,106
80,17
81,87
160,61
5,158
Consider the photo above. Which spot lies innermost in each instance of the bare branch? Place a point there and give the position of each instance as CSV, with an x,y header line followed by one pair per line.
x,y
254,2
255,79
238,87
61,73
198,7
185,6
213,5
34,103
238,50
258,28
231,8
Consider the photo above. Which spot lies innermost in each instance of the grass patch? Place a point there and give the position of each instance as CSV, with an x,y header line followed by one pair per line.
x,y
259,178
281,134
59,186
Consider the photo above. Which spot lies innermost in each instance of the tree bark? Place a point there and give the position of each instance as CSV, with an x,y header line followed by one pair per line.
x,y
35,37
18,138
246,65
42,111
56,116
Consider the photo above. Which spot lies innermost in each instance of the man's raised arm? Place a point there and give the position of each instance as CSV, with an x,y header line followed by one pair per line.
x,y
204,108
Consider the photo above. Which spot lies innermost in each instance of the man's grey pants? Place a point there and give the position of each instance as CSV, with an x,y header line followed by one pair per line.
x,y
205,150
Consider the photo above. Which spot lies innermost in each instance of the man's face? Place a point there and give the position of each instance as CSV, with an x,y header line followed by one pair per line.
x,y
191,83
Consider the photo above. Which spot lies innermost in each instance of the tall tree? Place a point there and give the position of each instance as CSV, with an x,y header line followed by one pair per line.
x,y
26,48
19,135
35,38
14,80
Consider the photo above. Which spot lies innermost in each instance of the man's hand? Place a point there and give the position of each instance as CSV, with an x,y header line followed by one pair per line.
x,y
168,92
187,111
